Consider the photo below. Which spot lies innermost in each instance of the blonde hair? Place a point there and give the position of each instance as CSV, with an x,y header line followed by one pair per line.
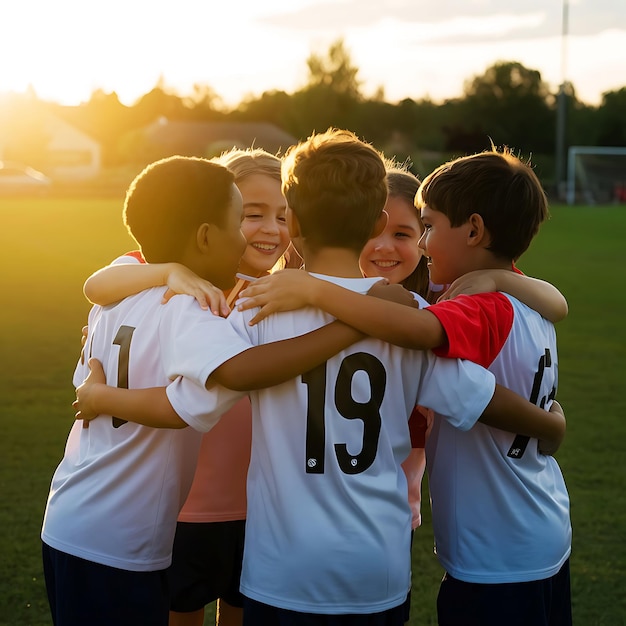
x,y
244,163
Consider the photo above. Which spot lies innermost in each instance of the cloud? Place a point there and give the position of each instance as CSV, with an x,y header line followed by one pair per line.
x,y
585,17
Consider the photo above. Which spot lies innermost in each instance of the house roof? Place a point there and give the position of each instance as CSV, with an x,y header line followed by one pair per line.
x,y
212,138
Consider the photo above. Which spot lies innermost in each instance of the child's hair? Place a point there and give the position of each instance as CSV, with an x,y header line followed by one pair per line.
x,y
170,199
403,184
335,184
244,163
499,187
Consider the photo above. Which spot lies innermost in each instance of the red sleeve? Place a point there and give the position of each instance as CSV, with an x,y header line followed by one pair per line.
x,y
137,255
477,326
417,428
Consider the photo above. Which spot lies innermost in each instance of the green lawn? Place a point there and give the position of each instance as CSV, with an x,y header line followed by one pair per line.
x,y
49,246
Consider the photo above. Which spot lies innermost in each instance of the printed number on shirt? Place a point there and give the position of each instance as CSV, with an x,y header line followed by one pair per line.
x,y
517,449
349,408
122,339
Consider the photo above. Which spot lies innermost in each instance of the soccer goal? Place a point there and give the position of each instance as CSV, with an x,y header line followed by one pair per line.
x,y
596,175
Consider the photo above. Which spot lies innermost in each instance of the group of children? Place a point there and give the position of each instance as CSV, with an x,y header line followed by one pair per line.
x,y
334,451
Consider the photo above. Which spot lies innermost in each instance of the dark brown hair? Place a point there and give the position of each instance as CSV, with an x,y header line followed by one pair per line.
x,y
500,188
170,199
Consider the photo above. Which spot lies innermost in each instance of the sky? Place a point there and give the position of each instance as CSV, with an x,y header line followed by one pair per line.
x,y
66,49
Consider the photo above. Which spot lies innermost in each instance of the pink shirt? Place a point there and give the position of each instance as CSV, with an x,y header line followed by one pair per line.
x,y
218,491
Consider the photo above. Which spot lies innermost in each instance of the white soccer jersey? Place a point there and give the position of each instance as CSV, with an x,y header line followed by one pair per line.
x,y
328,525
500,508
116,494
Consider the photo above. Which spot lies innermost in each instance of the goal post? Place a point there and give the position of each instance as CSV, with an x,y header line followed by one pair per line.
x,y
596,174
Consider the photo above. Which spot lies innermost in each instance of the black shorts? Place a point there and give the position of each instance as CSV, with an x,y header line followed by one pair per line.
x,y
81,592
407,602
259,614
206,564
539,602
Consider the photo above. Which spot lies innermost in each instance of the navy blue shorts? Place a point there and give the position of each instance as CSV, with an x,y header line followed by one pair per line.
x,y
259,614
81,592
206,564
539,602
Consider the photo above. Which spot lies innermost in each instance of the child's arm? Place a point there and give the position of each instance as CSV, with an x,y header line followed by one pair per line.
x,y
255,368
539,295
149,407
510,412
547,446
273,363
115,282
293,289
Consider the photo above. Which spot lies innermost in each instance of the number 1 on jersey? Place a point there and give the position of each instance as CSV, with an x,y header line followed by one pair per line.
x,y
122,339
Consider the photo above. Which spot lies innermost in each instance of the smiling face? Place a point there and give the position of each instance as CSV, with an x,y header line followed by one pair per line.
x,y
394,254
263,223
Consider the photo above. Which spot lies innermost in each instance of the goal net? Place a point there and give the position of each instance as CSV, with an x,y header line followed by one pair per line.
x,y
596,175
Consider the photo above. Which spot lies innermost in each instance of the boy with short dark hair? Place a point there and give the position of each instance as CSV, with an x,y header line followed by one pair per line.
x,y
328,525
502,529
500,507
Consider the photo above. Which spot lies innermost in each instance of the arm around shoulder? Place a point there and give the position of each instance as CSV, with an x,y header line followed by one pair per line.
x,y
538,294
390,321
509,411
149,407
116,282
274,363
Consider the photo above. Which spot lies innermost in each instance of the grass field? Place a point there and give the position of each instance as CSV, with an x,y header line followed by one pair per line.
x,y
49,246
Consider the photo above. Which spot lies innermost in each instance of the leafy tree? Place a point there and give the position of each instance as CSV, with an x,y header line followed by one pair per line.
x,y
334,71
203,103
275,107
510,104
104,118
159,102
331,95
611,119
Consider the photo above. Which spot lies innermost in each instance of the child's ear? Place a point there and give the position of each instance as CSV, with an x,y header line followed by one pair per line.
x,y
478,234
380,225
204,237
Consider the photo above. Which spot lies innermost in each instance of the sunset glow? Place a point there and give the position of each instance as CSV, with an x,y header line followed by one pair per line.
x,y
64,50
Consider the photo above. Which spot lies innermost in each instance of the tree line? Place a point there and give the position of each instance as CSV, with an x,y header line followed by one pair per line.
x,y
509,105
